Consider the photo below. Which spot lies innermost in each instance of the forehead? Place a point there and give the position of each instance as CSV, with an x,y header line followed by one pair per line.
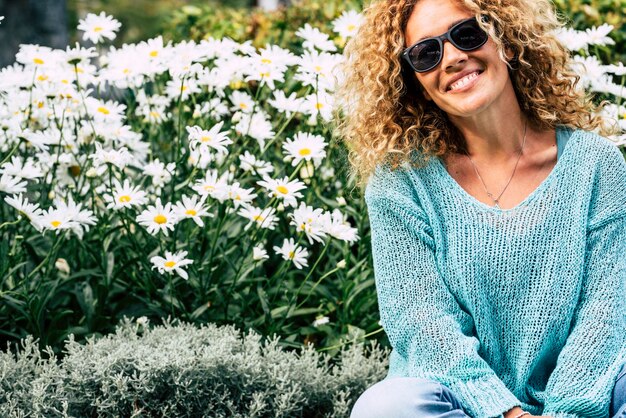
x,y
433,17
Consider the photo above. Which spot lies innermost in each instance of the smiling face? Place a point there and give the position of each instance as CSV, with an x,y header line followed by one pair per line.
x,y
464,83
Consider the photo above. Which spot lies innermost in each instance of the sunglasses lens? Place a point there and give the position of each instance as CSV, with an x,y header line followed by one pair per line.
x,y
468,36
425,55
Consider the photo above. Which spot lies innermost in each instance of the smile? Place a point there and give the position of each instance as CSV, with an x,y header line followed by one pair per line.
x,y
465,83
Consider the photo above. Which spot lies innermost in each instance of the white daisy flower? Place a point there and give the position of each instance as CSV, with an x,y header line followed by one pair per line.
x,y
255,125
318,69
41,139
22,169
159,172
124,196
23,206
290,251
192,208
172,263
98,27
37,56
79,55
287,105
108,112
213,185
240,196
310,221
313,38
283,189
250,163
348,23
55,219
336,226
212,139
318,104
182,88
617,69
12,185
275,55
259,253
158,218
305,146
264,218
599,35
265,73
81,219
241,101
117,157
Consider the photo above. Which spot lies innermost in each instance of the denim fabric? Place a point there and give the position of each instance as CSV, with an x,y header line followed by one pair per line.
x,y
408,397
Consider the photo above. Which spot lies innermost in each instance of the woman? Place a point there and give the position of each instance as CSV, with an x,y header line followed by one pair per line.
x,y
498,218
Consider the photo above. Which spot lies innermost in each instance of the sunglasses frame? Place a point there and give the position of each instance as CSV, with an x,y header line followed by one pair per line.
x,y
440,39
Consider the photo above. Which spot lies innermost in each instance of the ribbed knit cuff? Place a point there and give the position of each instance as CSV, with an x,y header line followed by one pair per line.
x,y
558,414
485,398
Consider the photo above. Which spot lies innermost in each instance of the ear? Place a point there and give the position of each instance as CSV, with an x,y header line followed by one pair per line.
x,y
508,53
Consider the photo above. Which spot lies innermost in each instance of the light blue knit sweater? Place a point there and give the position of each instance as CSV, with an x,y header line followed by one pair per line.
x,y
521,307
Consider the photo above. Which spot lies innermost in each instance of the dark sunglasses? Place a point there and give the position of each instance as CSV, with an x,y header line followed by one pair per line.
x,y
426,54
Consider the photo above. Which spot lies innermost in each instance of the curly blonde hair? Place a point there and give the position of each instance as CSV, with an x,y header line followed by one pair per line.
x,y
383,116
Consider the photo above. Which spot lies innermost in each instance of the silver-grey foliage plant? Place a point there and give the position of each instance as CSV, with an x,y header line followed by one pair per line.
x,y
180,370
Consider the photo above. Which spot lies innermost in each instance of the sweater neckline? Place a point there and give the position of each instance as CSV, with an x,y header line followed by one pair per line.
x,y
561,136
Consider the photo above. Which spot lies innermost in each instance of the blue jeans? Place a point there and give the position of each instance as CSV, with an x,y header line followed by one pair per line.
x,y
408,397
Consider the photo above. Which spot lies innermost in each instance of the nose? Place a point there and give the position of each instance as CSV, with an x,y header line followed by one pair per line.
x,y
452,56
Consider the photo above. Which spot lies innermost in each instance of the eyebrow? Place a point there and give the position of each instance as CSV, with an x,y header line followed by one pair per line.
x,y
449,27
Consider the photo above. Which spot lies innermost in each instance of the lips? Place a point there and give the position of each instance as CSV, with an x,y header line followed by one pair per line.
x,y
459,76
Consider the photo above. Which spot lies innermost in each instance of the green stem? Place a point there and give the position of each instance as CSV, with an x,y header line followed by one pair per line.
x,y
351,341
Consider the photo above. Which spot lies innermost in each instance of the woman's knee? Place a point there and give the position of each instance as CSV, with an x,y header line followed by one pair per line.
x,y
398,397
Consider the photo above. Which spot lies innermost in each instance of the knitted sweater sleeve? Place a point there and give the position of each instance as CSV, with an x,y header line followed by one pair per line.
x,y
582,382
424,323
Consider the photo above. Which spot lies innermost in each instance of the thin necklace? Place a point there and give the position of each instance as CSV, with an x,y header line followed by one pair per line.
x,y
496,200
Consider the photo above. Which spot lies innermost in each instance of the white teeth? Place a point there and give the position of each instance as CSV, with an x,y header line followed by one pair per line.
x,y
460,83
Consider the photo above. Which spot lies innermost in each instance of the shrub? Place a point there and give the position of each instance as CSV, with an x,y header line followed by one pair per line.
x,y
179,370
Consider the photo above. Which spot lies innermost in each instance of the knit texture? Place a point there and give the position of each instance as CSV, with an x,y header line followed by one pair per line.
x,y
520,307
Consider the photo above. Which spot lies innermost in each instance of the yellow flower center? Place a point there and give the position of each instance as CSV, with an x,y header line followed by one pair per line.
x,y
258,218
318,106
243,105
190,212
170,264
160,219
183,88
318,68
266,61
304,151
98,29
38,61
42,77
103,110
154,53
291,254
40,105
55,224
126,71
154,114
124,199
282,189
265,74
351,28
205,139
209,187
